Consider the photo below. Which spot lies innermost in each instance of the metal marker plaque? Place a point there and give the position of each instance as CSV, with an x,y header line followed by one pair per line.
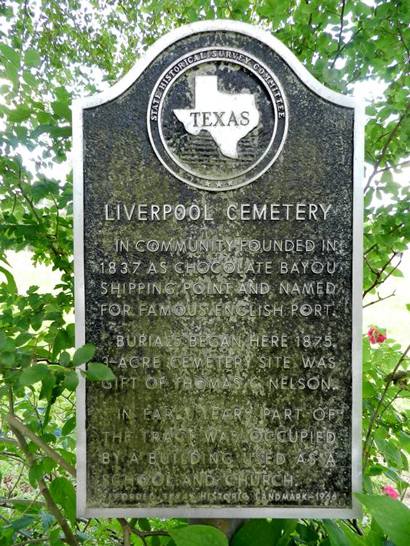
x,y
218,273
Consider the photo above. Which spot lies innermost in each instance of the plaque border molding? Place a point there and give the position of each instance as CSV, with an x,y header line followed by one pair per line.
x,y
78,105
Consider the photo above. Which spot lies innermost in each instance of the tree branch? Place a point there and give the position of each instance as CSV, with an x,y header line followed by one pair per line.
x,y
51,505
394,167
403,41
32,541
15,423
13,456
10,441
374,271
339,41
380,272
390,403
390,273
10,493
10,503
128,529
379,299
385,148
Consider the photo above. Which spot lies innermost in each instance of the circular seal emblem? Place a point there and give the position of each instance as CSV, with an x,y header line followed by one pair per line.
x,y
217,118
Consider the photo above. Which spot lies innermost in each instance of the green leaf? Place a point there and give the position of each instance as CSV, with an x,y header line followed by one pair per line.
x,y
375,536
29,79
10,54
35,473
69,426
198,535
11,73
144,524
71,333
83,354
33,374
258,532
64,358
63,493
22,523
307,532
96,371
11,283
71,381
340,536
289,525
7,345
47,387
19,114
404,440
22,339
61,342
61,110
39,469
42,189
46,520
32,57
392,516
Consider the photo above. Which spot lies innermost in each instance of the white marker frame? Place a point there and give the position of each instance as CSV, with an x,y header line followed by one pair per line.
x,y
358,168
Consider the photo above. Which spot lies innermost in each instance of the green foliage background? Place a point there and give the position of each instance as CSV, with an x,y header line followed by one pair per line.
x,y
52,51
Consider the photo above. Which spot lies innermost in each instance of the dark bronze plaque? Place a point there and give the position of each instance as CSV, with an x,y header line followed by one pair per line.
x,y
218,241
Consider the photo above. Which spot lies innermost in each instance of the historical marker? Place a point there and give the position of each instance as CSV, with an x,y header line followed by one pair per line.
x,y
218,272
